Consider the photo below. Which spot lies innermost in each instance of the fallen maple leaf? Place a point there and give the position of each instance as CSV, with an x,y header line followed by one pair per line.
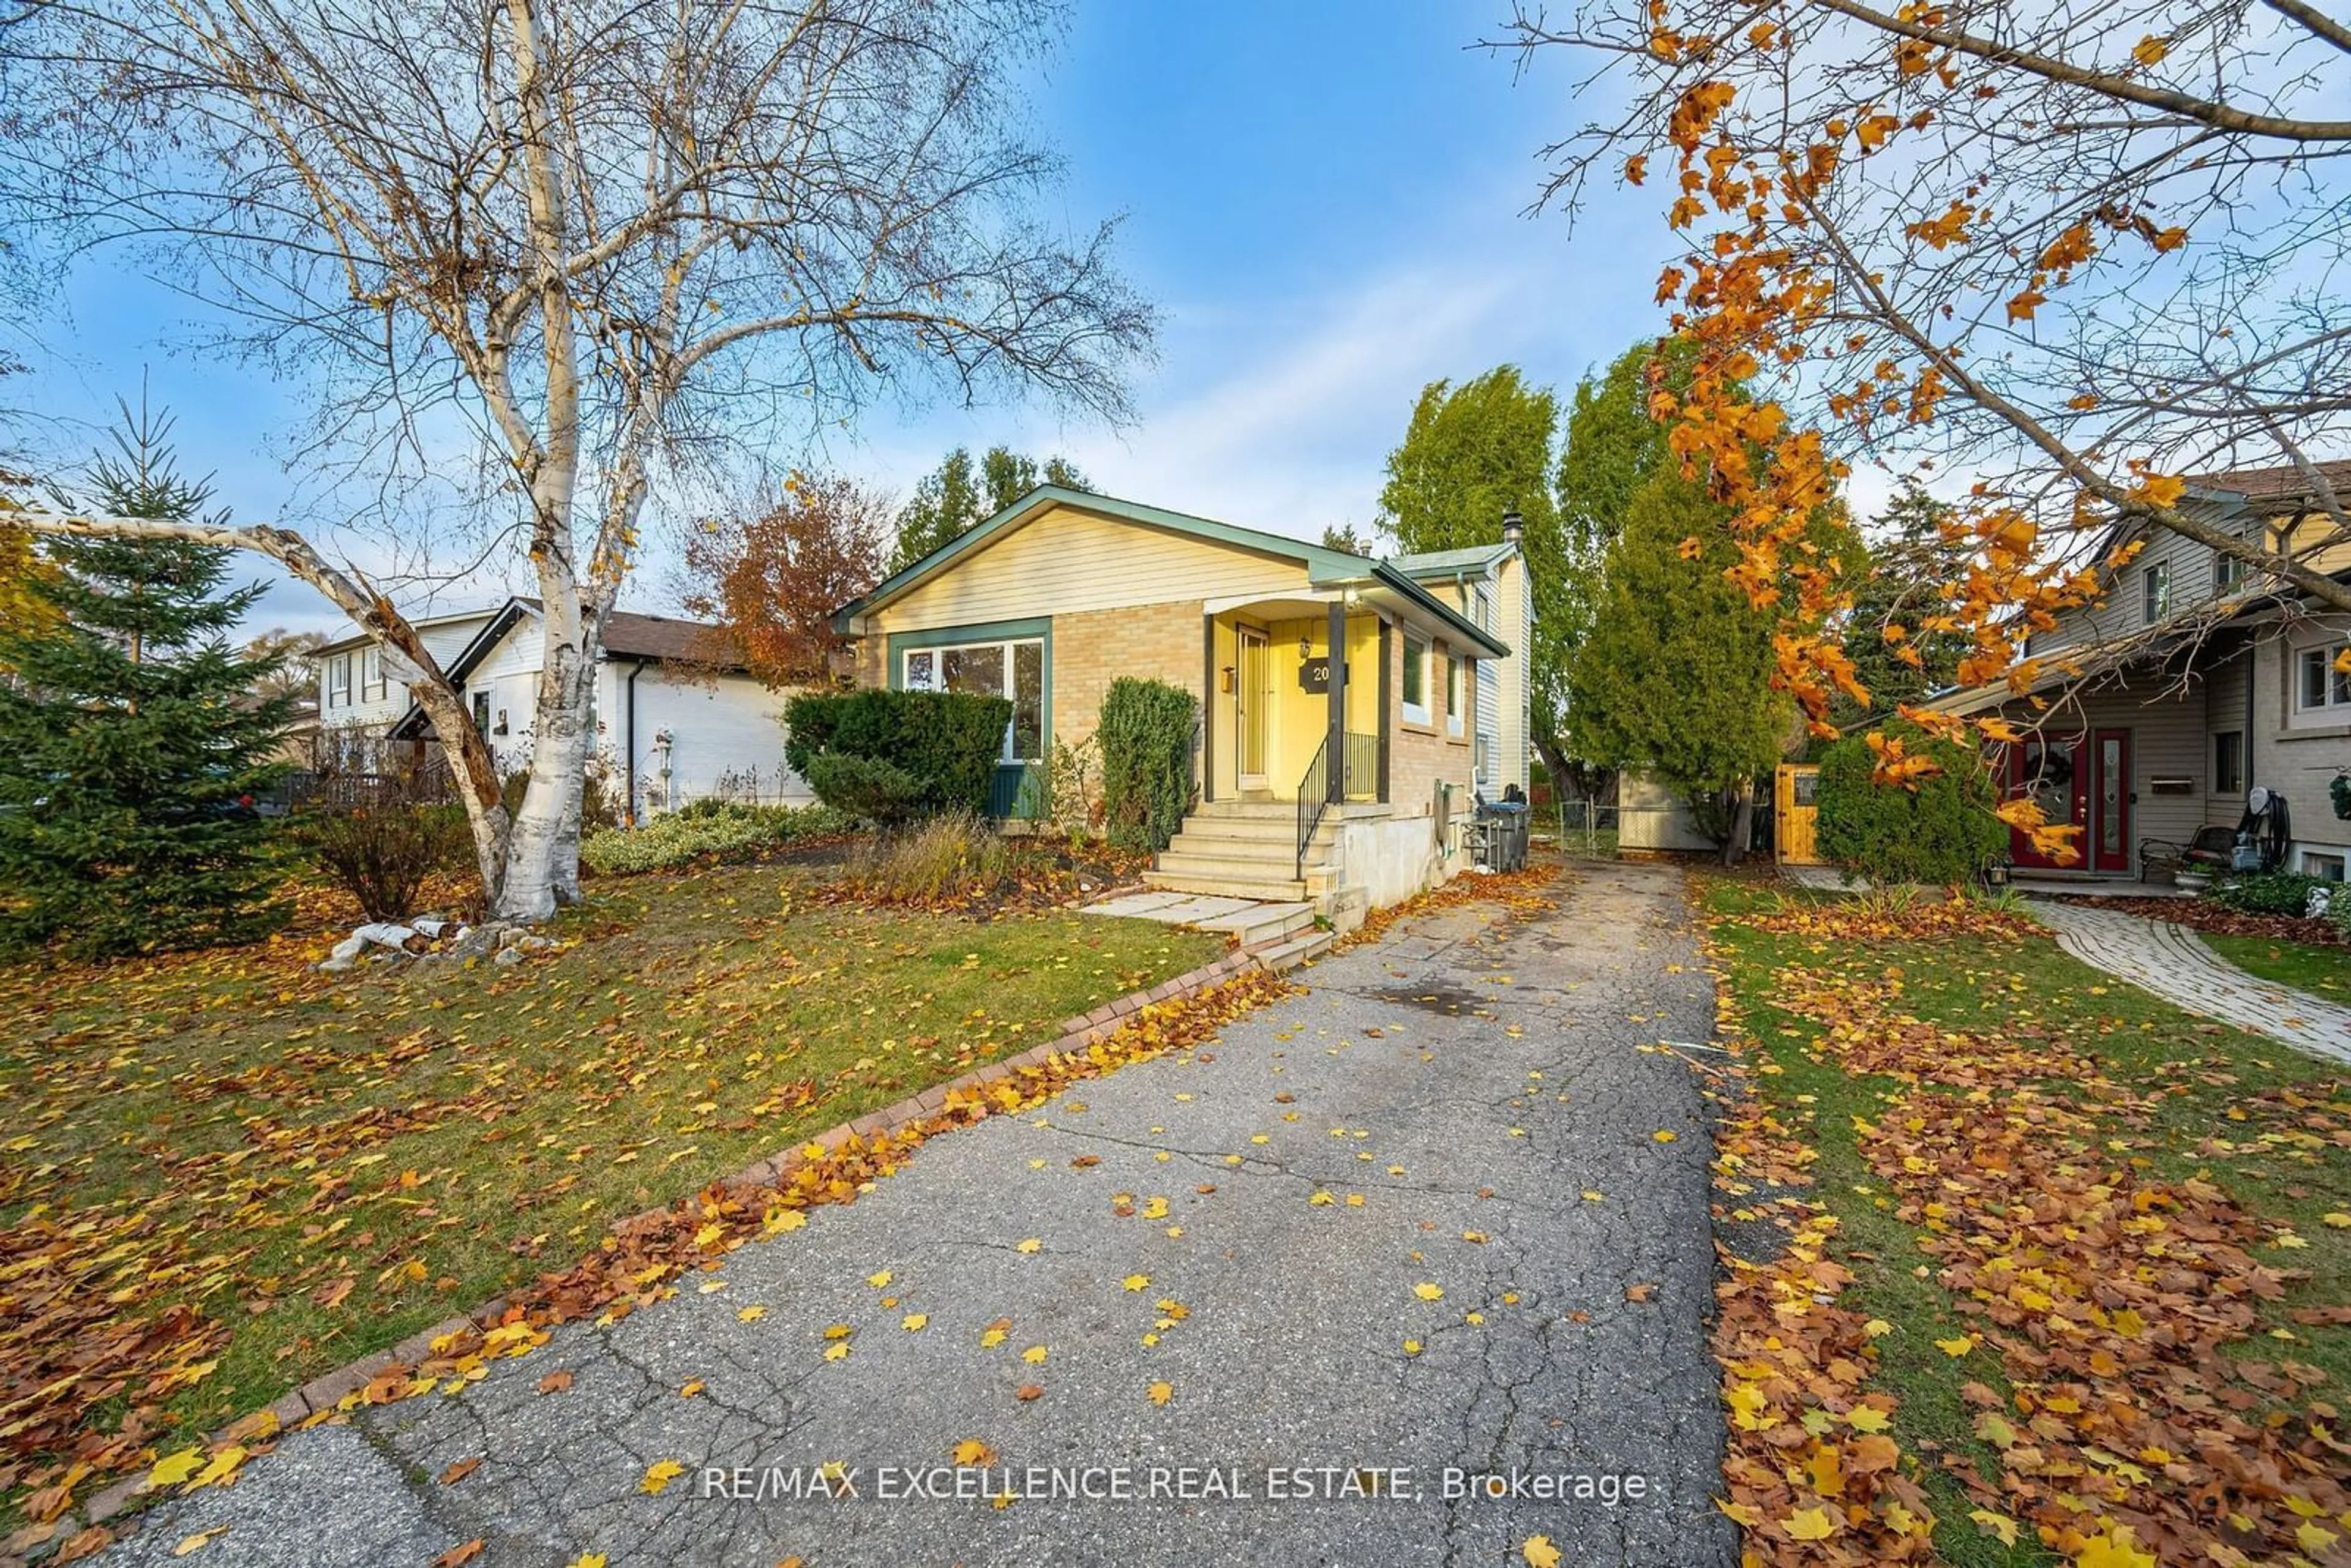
x,y
1808,1524
1161,1392
199,1540
1027,1392
972,1451
555,1382
458,1556
1540,1552
1429,1292
460,1470
658,1475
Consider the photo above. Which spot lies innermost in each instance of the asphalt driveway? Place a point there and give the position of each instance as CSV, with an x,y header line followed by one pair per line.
x,y
1417,1224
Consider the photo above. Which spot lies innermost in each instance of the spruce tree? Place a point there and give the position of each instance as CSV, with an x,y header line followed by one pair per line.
x,y
131,744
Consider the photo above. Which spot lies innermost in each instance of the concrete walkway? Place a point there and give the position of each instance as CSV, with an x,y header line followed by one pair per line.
x,y
1392,1222
2171,962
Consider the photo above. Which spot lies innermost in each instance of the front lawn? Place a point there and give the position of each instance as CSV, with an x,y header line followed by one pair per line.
x,y
2322,971
2100,1253
225,1174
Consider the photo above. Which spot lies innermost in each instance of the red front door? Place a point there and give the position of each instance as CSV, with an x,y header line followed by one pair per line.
x,y
2110,801
2079,780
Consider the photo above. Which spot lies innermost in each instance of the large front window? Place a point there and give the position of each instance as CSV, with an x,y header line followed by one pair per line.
x,y
1415,679
1014,669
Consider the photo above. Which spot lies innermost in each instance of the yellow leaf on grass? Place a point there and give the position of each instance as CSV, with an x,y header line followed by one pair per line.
x,y
223,1466
1878,1328
1955,1348
1866,1418
658,1475
178,1467
1999,1524
2338,1219
1540,1552
1808,1524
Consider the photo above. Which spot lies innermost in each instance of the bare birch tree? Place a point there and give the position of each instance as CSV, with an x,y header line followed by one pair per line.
x,y
614,239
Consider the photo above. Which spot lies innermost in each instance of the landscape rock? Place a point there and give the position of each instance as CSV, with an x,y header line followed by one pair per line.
x,y
384,933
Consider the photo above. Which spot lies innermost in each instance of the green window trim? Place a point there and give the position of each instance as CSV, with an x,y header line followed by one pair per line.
x,y
1011,775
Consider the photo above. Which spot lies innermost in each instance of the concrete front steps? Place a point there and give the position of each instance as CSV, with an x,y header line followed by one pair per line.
x,y
1244,849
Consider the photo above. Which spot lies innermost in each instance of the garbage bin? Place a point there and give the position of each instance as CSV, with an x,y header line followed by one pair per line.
x,y
1503,834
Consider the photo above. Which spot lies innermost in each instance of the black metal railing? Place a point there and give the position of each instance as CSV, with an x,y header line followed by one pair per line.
x,y
1313,799
1363,765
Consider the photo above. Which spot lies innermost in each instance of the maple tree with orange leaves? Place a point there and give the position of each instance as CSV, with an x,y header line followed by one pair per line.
x,y
772,581
2073,253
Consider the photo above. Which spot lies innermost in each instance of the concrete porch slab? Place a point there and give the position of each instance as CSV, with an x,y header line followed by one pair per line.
x,y
1252,914
1172,908
1135,905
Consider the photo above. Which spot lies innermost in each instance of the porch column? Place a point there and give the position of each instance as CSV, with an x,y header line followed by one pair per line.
x,y
1338,695
1208,707
1387,709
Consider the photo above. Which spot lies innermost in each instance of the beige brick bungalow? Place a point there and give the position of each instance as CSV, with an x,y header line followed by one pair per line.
x,y
1344,781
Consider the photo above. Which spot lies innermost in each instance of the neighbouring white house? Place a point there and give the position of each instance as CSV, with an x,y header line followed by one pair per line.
x,y
676,724
1487,584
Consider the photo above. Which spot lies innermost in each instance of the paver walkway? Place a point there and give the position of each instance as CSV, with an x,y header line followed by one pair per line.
x,y
1489,1089
2171,962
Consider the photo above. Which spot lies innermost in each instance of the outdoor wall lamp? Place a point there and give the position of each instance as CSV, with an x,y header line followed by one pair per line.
x,y
1306,645
1228,678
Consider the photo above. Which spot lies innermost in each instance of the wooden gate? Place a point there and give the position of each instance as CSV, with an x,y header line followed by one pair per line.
x,y
1795,814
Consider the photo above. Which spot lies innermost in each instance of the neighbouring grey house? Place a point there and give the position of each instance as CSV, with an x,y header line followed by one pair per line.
x,y
2154,711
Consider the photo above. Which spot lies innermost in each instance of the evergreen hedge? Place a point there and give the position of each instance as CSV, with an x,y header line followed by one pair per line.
x,y
948,743
1145,735
1942,832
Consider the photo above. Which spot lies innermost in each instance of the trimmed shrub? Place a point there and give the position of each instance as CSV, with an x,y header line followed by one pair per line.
x,y
1145,736
381,855
726,831
952,856
1942,832
867,787
948,742
2266,892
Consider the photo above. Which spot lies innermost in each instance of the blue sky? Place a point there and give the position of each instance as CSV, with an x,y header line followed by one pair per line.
x,y
1326,200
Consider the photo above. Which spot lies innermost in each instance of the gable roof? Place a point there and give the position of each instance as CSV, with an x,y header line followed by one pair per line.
x,y
1447,563
2284,485
1325,567
628,635
421,623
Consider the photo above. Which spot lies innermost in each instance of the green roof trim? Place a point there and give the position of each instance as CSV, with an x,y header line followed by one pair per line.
x,y
1322,566
1325,567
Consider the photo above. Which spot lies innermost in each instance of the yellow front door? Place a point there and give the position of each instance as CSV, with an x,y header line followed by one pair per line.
x,y
1254,707
1795,814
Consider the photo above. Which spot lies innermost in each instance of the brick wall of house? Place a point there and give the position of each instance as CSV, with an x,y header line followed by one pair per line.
x,y
1093,648
1418,758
